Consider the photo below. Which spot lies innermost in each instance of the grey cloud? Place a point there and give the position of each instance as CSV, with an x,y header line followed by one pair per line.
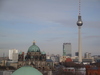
x,y
36,9
2,35
54,39
92,24
91,37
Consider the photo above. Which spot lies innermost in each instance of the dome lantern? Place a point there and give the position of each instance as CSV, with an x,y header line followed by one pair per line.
x,y
34,42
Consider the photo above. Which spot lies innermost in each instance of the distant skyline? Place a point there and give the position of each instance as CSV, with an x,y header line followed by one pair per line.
x,y
50,23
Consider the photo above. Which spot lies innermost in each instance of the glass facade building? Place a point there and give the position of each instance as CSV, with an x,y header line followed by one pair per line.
x,y
67,49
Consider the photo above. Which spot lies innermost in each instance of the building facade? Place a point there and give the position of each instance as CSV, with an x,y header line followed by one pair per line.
x,y
67,49
13,54
76,53
92,71
87,55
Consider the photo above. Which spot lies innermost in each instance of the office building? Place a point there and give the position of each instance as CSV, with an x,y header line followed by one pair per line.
x,y
67,49
87,55
76,53
13,55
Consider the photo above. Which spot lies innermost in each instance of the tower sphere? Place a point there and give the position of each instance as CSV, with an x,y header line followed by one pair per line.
x,y
79,22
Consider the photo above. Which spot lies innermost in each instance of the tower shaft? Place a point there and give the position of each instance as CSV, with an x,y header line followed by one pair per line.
x,y
79,44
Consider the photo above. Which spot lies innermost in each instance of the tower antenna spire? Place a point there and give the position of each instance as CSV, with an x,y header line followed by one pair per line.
x,y
79,7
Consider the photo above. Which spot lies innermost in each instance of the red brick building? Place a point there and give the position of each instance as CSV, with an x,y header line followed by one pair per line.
x,y
93,71
68,60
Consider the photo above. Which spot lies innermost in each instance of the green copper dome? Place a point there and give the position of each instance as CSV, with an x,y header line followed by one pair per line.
x,y
34,48
27,70
43,52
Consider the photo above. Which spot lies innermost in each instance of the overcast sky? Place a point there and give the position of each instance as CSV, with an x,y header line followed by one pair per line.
x,y
50,23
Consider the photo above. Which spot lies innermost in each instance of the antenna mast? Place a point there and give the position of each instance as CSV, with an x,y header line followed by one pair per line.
x,y
79,7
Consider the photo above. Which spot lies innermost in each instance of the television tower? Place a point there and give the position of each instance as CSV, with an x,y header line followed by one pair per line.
x,y
79,24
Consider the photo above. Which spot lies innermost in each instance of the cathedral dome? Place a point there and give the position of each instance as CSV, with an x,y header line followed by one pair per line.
x,y
34,48
43,52
27,70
